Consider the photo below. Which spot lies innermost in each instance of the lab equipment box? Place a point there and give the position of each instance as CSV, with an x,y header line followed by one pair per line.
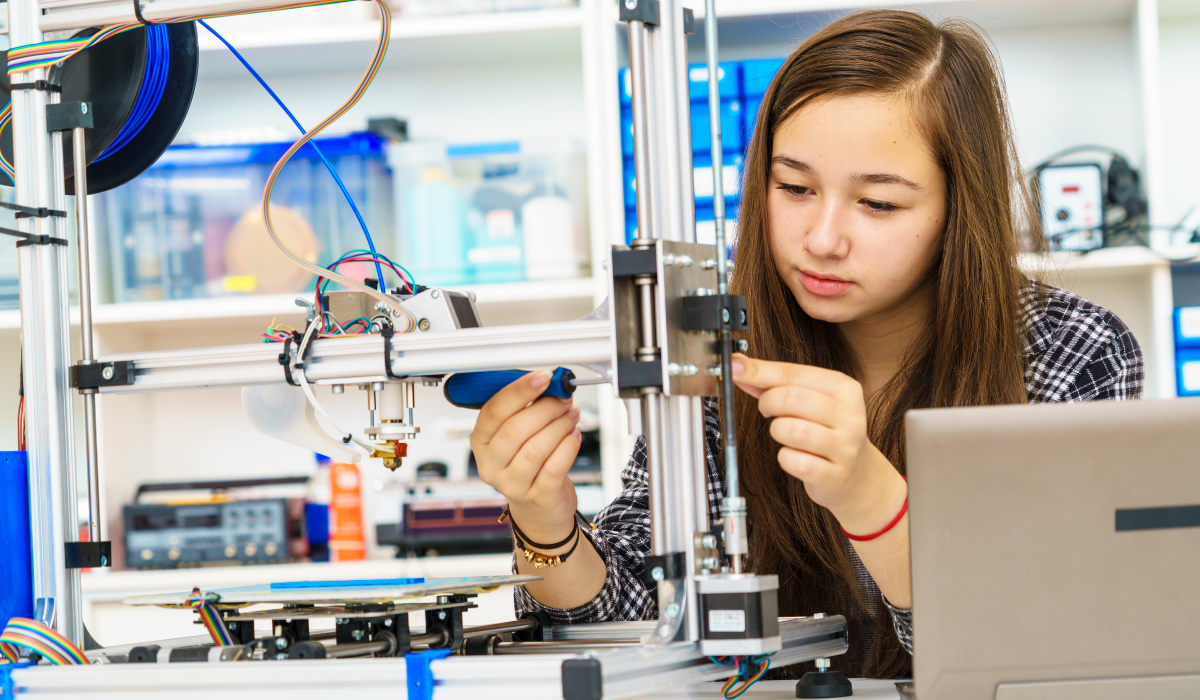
x,y
491,212
191,226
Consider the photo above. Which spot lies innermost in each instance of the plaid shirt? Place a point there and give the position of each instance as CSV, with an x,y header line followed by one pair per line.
x,y
1075,351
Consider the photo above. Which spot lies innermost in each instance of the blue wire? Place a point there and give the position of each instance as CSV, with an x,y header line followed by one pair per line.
x,y
361,222
154,83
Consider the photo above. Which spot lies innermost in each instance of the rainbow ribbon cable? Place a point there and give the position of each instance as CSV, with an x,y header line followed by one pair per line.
x,y
220,634
34,636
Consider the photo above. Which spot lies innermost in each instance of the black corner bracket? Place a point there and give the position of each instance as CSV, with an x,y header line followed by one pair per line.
x,y
629,263
669,567
88,555
639,11
101,374
65,116
582,679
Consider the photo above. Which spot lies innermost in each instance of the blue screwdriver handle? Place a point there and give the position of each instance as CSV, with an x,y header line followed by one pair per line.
x,y
474,389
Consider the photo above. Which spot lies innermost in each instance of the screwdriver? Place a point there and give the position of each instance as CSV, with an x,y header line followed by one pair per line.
x,y
474,389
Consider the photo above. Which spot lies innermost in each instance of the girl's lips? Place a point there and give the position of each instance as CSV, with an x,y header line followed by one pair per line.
x,y
823,287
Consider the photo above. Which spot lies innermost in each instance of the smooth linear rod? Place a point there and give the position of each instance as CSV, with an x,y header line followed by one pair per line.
x,y
416,354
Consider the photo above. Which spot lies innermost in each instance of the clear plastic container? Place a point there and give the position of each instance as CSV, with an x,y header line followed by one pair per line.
x,y
191,226
495,212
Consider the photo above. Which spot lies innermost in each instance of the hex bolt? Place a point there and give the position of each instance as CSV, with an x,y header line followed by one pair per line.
x,y
708,264
822,665
435,294
358,634
673,369
107,373
376,386
714,371
741,345
423,324
668,260
656,573
442,615
685,260
443,599
708,542
280,643
339,388
690,370
429,382
672,609
380,306
711,563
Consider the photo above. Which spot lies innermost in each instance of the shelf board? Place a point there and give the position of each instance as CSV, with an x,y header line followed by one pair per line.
x,y
457,40
991,14
1106,261
487,297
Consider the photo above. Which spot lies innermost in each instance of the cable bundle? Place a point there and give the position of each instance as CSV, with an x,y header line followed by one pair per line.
x,y
36,637
220,634
750,670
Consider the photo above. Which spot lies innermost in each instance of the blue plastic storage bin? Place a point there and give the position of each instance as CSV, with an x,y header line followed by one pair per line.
x,y
1187,327
1187,372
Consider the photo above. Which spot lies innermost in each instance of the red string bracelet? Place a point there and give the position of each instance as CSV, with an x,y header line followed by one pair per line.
x,y
886,528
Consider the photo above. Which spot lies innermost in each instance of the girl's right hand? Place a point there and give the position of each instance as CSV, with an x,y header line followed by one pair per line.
x,y
524,446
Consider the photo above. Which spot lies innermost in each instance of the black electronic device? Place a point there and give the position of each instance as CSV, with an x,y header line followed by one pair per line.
x,y
200,533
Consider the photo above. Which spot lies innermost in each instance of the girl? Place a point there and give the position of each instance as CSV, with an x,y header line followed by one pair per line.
x,y
877,251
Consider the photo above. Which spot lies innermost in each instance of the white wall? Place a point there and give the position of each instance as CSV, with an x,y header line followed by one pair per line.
x,y
1180,43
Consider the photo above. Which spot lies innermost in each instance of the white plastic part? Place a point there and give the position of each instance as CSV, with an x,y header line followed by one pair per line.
x,y
283,412
391,402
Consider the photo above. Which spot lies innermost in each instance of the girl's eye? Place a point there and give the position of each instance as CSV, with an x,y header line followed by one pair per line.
x,y
795,189
880,207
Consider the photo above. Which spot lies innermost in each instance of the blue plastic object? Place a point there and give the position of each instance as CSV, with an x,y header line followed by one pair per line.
x,y
1187,372
154,83
348,584
474,389
1187,326
418,674
703,179
729,81
6,682
731,127
757,75
16,575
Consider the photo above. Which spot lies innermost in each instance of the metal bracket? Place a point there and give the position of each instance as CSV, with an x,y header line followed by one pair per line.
x,y
640,11
24,212
665,567
101,374
65,116
88,555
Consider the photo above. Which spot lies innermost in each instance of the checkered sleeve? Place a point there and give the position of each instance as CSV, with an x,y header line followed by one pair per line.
x,y
902,624
1077,350
622,538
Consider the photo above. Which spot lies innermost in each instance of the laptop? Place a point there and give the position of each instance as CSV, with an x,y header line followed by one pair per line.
x,y
1056,551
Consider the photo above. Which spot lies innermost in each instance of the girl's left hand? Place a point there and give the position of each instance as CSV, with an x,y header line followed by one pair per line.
x,y
819,417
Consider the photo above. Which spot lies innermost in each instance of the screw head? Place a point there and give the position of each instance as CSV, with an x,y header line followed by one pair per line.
x,y
714,371
668,260
339,388
429,382
83,108
656,573
708,542
673,369
631,4
725,315
435,294
741,345
690,370
442,616
423,324
103,560
380,306
711,563
107,372
280,643
708,264
685,260
672,609
818,616
358,634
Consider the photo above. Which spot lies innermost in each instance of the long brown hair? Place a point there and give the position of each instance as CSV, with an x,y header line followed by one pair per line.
x,y
972,352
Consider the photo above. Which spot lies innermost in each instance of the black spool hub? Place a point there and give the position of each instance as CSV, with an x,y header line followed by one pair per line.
x,y
109,75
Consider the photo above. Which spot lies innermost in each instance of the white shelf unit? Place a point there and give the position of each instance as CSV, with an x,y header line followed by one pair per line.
x,y
1116,72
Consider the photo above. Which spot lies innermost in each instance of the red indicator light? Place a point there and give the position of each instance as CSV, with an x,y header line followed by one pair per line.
x,y
1070,189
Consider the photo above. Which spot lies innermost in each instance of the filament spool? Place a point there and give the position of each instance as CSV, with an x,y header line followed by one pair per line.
x,y
114,77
